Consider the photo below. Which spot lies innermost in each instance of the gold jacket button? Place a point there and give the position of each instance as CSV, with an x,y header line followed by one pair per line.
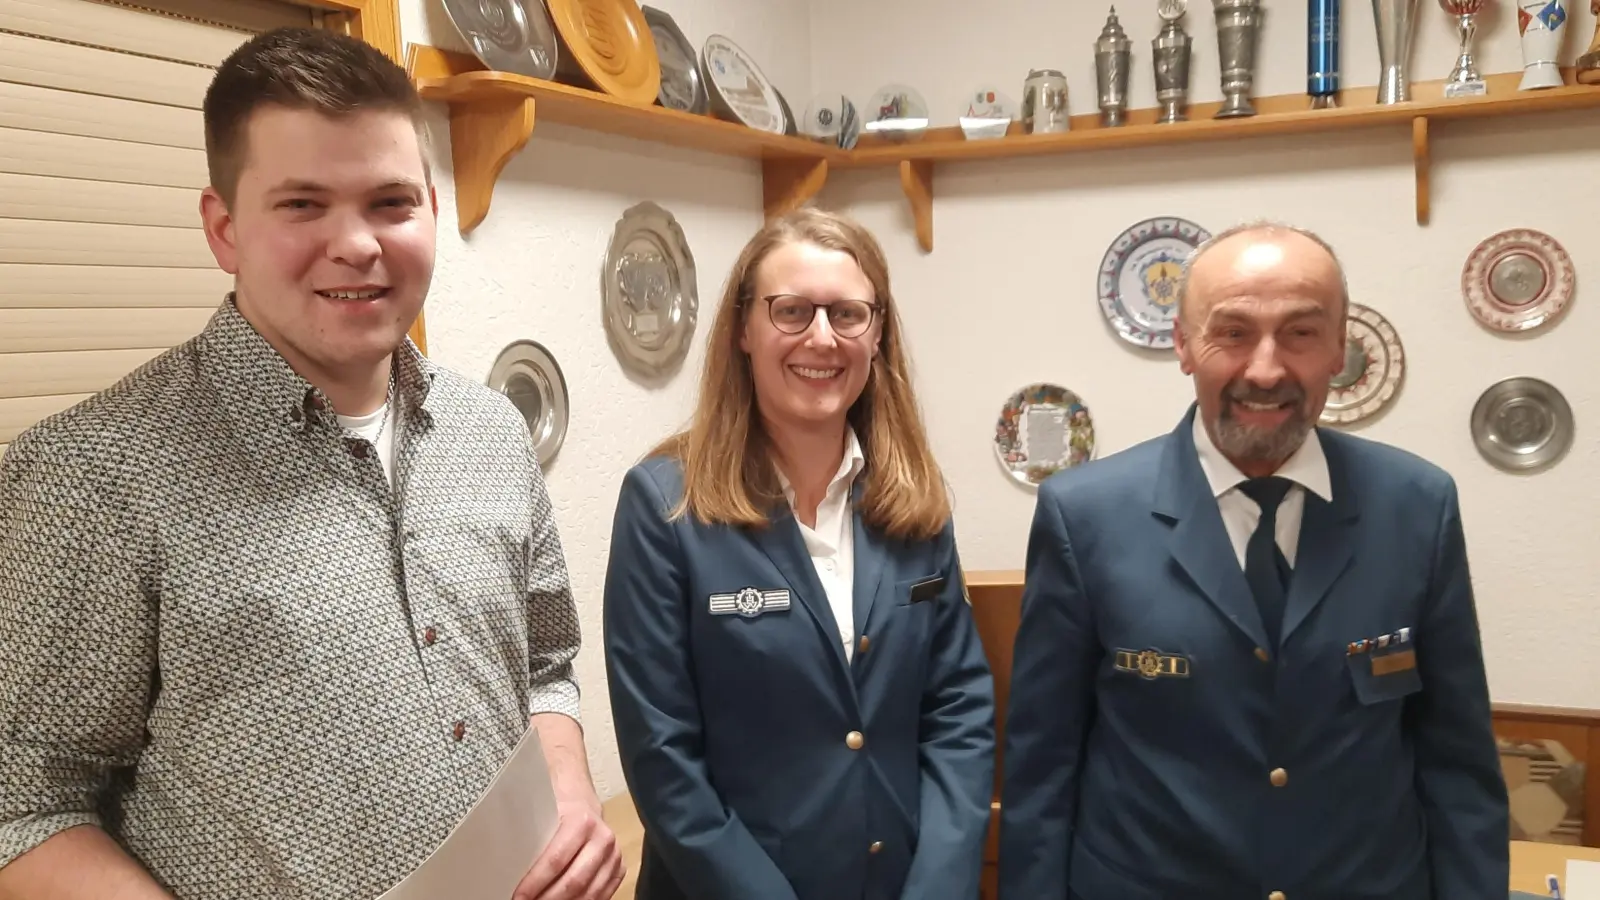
x,y
1263,655
863,645
876,846
854,740
1279,778
1276,895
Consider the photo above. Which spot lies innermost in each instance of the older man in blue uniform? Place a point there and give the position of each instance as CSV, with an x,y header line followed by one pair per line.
x,y
1249,662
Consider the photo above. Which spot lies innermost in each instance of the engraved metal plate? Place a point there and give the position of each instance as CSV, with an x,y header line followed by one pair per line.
x,y
649,290
1517,280
1374,368
507,35
681,85
738,90
1521,424
1043,429
1138,279
527,374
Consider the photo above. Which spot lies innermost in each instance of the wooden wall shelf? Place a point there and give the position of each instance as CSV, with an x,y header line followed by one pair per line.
x,y
492,115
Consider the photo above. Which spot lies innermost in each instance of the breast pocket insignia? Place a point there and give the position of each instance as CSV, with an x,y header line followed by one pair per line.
x,y
748,602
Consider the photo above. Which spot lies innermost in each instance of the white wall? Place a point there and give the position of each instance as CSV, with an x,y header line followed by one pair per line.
x,y
532,270
1008,296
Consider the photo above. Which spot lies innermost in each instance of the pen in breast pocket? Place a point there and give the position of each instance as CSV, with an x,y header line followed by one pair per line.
x,y
1554,884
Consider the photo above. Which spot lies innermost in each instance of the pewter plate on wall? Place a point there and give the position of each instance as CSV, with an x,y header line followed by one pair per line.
x,y
1517,280
507,35
528,375
681,85
1043,429
738,90
1138,279
1374,367
648,289
1522,423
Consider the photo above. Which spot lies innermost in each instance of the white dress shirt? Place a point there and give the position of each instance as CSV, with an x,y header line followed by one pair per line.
x,y
832,542
1307,469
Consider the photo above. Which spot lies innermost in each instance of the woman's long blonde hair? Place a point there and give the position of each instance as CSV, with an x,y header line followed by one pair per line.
x,y
729,476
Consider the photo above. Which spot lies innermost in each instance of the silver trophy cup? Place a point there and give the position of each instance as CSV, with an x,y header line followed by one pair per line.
x,y
1397,27
1170,52
1464,80
1111,55
1238,24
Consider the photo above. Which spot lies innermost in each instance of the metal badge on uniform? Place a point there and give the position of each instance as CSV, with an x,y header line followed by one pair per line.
x,y
1152,664
927,589
1393,639
749,603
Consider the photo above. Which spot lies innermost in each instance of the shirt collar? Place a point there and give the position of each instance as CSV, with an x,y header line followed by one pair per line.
x,y
262,393
1307,467
849,467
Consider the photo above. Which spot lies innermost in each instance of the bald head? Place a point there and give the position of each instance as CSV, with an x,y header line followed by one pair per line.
x,y
1254,244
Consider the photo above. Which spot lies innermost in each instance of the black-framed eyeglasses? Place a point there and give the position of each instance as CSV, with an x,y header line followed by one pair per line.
x,y
793,314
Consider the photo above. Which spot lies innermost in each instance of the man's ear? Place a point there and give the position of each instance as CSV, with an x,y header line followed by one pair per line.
x,y
217,221
1180,346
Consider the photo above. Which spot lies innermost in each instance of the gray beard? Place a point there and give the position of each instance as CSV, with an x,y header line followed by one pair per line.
x,y
1268,446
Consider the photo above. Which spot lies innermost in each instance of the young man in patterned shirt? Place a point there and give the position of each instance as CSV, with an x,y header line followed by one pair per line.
x,y
278,605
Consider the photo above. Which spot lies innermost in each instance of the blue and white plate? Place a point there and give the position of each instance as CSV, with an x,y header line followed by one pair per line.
x,y
1139,277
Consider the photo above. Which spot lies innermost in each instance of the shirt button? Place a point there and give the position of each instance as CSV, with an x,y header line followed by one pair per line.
x,y
460,731
863,645
317,403
429,636
854,740
1279,778
1263,655
876,846
358,449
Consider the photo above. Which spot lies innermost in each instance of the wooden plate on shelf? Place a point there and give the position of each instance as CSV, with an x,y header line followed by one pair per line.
x,y
609,41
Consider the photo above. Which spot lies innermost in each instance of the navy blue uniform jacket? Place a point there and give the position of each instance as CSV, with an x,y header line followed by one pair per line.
x,y
1217,766
762,765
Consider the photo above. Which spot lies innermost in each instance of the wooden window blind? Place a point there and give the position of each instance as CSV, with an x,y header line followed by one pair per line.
x,y
103,263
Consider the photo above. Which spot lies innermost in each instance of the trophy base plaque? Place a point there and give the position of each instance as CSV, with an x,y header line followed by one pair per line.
x,y
1466,89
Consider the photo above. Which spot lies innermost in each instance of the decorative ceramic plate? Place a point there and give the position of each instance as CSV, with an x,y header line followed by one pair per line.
x,y
1138,280
610,41
1043,429
507,35
1374,367
897,110
648,289
681,87
988,114
738,90
1522,423
1517,280
527,374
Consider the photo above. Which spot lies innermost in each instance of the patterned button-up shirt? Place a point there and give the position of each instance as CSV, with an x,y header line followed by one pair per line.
x,y
226,640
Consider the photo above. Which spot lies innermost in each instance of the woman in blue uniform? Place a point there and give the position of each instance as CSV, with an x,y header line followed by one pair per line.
x,y
802,704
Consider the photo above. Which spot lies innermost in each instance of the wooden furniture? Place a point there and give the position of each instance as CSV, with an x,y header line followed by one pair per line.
x,y
492,116
1532,861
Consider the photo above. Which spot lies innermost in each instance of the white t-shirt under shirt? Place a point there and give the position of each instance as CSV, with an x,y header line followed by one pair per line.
x,y
369,427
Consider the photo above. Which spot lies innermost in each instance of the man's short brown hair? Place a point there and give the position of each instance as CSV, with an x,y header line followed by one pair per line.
x,y
298,68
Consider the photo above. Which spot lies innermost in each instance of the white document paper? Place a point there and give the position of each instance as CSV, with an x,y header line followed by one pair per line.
x,y
490,850
1582,881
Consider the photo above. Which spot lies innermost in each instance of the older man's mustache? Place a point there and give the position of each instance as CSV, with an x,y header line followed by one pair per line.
x,y
1283,393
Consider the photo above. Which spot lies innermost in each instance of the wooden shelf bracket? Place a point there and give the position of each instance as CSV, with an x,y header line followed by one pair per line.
x,y
1422,157
789,183
484,136
916,179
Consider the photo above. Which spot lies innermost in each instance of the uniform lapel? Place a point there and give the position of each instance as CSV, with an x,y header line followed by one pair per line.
x,y
1200,543
782,543
869,558
1327,542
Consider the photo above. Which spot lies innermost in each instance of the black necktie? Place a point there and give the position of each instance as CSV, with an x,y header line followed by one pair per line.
x,y
1264,566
